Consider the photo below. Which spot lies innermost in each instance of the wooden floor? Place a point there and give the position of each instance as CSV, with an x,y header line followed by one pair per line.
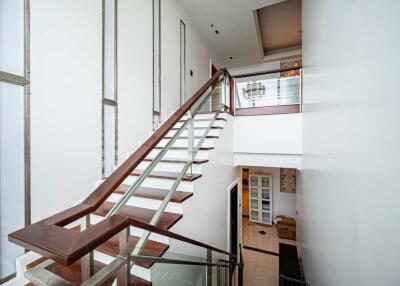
x,y
260,268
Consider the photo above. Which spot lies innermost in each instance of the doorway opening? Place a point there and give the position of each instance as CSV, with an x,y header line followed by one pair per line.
x,y
234,219
268,197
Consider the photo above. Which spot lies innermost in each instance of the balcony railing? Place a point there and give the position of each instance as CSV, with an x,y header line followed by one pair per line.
x,y
271,92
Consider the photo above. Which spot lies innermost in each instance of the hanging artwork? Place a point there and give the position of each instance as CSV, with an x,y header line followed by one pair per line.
x,y
288,180
290,63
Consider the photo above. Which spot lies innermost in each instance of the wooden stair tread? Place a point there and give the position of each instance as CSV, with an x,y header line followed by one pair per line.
x,y
168,175
212,127
166,222
151,248
206,119
177,160
184,148
195,137
154,193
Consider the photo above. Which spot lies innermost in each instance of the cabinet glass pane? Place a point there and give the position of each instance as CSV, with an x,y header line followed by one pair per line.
x,y
12,36
265,217
265,205
265,182
254,181
254,204
254,193
265,194
254,215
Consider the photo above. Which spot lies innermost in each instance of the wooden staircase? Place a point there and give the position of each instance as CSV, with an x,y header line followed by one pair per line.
x,y
142,206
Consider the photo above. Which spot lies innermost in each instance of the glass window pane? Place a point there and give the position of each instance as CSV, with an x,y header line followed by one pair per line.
x,y
109,139
183,61
12,36
156,56
109,49
12,179
268,90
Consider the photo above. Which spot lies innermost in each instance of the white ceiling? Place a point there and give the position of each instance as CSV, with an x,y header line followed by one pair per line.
x,y
235,21
280,26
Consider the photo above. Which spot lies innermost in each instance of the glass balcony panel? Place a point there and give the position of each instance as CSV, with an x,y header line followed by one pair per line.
x,y
268,90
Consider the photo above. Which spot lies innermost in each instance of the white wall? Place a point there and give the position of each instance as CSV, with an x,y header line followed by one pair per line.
x,y
66,57
135,74
268,134
256,68
198,57
268,140
65,102
282,203
350,198
205,215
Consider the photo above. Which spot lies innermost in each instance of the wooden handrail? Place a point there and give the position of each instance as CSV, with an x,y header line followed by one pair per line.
x,y
50,239
266,72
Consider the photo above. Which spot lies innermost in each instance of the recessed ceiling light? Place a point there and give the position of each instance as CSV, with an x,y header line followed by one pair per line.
x,y
231,58
212,25
216,32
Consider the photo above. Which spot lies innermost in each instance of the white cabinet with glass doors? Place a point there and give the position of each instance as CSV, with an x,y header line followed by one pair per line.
x,y
260,198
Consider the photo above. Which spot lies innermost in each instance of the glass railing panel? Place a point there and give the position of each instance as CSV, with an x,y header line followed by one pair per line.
x,y
216,99
268,90
182,269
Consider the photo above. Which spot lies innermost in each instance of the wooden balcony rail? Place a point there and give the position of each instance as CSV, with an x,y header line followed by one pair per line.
x,y
51,240
266,72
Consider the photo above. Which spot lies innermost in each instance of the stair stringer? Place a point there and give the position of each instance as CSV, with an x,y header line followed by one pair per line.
x,y
205,214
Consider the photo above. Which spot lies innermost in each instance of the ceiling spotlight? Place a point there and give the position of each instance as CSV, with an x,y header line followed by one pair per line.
x,y
231,58
216,32
212,25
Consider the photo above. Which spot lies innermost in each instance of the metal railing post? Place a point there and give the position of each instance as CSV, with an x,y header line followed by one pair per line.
x,y
124,275
190,141
87,267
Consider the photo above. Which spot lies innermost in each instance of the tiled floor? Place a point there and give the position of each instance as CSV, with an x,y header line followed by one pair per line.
x,y
260,268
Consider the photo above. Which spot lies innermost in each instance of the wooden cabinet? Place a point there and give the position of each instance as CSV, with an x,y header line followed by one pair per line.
x,y
260,198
